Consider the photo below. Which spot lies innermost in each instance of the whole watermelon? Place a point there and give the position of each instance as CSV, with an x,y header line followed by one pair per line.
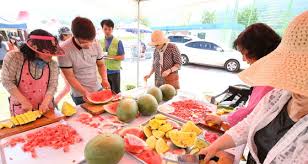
x,y
127,110
168,91
104,149
147,105
156,92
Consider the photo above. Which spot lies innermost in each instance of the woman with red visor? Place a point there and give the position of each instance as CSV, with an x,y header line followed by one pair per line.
x,y
30,75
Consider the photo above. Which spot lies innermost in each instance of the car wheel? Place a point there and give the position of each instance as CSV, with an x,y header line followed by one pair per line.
x,y
185,59
232,65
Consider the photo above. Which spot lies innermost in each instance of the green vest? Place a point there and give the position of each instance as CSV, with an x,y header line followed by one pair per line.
x,y
112,51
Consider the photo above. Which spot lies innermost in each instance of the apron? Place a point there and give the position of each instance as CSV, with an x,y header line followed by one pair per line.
x,y
33,89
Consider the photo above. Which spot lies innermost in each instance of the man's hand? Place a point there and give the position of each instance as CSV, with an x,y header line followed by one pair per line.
x,y
166,73
105,84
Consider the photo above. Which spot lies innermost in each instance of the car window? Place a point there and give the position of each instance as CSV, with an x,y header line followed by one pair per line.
x,y
215,47
179,39
206,46
194,45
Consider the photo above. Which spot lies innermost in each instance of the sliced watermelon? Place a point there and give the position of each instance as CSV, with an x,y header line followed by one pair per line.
x,y
100,97
211,137
134,144
150,157
177,151
112,108
136,131
174,124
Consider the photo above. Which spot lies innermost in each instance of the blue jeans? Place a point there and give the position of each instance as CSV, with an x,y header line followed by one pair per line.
x,y
78,100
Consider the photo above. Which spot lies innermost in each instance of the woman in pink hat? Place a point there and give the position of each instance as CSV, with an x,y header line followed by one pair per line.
x,y
277,130
167,61
30,75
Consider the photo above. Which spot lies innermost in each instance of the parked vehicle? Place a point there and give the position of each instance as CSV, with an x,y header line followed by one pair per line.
x,y
208,53
179,39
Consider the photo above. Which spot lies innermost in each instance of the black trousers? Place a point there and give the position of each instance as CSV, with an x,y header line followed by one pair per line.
x,y
115,82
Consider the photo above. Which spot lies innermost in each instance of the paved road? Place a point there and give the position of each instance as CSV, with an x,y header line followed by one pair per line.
x,y
193,78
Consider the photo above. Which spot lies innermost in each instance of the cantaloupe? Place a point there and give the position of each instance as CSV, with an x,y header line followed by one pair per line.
x,y
147,105
68,109
127,110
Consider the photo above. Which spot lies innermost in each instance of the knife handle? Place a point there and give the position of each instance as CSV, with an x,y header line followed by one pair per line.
x,y
202,156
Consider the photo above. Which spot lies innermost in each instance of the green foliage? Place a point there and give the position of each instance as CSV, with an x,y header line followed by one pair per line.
x,y
247,16
208,17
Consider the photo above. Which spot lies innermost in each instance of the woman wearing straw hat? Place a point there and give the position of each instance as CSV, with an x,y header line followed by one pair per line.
x,y
30,75
167,61
277,130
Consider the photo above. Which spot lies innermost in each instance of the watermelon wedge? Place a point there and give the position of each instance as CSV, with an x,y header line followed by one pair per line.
x,y
112,108
150,157
136,131
134,144
100,97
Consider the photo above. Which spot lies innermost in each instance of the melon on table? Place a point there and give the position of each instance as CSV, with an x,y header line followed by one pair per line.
x,y
100,97
134,144
112,107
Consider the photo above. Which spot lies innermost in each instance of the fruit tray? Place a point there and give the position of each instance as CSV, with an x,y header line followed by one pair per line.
x,y
163,138
186,109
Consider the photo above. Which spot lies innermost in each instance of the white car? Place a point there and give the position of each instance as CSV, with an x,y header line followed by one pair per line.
x,y
208,53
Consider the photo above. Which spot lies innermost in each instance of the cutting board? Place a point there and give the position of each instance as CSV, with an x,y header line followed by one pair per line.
x,y
50,117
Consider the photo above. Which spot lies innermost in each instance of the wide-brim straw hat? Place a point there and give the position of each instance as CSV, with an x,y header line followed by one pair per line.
x,y
158,38
287,66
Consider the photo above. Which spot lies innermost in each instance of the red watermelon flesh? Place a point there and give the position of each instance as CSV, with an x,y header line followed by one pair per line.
x,y
112,108
100,97
134,144
150,157
211,137
133,131
177,151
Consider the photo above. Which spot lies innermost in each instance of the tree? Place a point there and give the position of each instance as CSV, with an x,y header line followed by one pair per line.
x,y
247,16
208,17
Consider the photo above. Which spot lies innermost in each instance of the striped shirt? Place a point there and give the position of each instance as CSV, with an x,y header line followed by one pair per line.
x,y
172,56
11,71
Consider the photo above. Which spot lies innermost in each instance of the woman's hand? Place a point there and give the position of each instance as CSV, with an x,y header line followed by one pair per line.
x,y
209,153
44,107
26,105
146,77
166,73
212,119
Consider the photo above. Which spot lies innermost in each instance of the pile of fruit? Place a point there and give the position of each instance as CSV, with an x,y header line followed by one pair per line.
x,y
160,131
68,109
57,137
21,119
190,110
128,108
162,136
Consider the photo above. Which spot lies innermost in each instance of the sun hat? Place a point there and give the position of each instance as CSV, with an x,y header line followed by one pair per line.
x,y
287,66
158,38
47,45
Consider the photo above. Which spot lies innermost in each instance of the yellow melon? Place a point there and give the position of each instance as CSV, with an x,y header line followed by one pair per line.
x,y
200,144
14,120
168,133
160,117
147,131
151,142
8,124
165,128
191,127
24,117
158,134
183,139
20,119
68,109
161,146
156,123
194,151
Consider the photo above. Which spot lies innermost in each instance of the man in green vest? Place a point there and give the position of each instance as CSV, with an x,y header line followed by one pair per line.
x,y
114,50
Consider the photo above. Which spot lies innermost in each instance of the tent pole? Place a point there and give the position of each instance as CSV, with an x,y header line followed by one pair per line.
x,y
138,57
